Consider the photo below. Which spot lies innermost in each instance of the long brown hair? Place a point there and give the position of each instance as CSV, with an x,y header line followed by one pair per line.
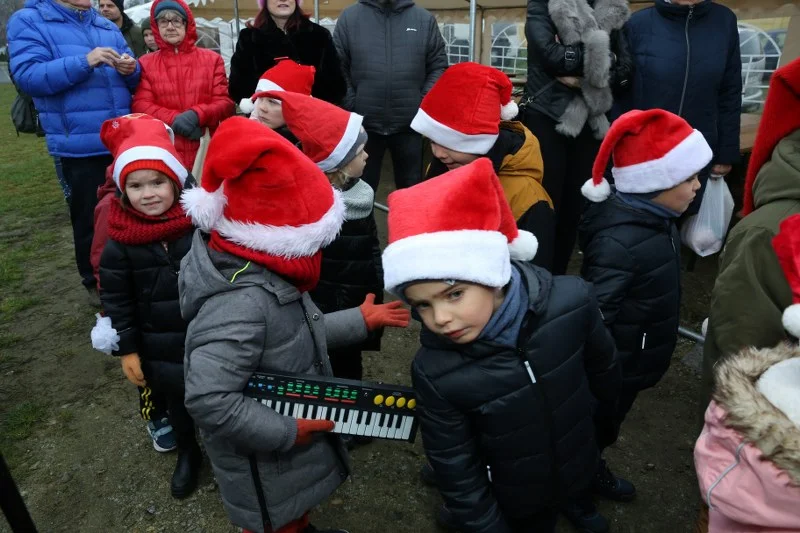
x,y
292,24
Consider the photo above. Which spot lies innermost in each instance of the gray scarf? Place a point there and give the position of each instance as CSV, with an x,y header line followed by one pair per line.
x,y
358,201
503,328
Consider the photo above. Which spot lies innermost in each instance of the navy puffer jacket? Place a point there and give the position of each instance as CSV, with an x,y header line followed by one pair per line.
x,y
633,260
696,46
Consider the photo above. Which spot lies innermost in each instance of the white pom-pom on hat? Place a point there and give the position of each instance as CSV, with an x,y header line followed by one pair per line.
x,y
596,190
204,207
509,110
791,320
104,337
247,106
524,246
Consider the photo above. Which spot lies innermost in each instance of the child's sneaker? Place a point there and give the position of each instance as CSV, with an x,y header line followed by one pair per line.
x,y
163,436
608,485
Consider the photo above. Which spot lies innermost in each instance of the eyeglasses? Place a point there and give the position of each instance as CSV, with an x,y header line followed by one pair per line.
x,y
176,23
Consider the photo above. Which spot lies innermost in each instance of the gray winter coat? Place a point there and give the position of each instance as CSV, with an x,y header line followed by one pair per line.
x,y
243,319
391,56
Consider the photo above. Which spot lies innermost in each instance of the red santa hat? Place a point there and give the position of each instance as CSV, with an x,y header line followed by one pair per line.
x,y
787,247
327,133
653,150
262,199
780,118
138,141
463,109
286,75
455,226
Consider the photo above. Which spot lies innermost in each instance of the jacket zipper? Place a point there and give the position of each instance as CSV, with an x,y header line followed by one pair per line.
x,y
388,90
688,60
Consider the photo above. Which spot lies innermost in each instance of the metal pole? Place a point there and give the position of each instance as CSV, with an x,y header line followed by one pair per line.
x,y
473,14
381,207
691,335
316,11
236,16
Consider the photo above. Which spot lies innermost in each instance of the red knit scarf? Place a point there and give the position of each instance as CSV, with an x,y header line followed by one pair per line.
x,y
129,226
302,272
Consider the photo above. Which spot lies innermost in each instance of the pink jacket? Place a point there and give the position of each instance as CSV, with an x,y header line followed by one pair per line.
x,y
748,455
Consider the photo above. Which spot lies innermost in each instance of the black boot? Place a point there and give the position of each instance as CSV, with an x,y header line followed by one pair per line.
x,y
184,478
428,476
608,485
585,517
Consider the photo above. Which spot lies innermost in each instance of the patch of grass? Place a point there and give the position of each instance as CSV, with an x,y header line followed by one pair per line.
x,y
7,362
65,353
13,305
65,416
18,423
7,340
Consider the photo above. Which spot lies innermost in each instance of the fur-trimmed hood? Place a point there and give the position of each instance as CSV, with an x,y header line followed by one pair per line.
x,y
751,414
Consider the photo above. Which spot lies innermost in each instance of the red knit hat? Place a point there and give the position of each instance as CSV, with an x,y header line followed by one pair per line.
x,y
327,133
653,150
780,118
455,226
787,247
260,193
463,109
138,141
286,75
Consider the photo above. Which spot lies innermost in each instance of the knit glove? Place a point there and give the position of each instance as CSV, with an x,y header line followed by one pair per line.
x,y
378,316
307,428
185,123
132,367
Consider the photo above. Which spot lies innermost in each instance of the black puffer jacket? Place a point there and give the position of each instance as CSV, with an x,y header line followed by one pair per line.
x,y
481,414
311,44
633,260
391,56
548,59
139,291
351,269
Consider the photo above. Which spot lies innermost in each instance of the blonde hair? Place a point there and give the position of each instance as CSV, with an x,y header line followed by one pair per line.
x,y
338,178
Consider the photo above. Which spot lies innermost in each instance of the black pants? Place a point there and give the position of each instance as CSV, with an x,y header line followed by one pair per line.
x,y
567,165
540,220
608,419
84,175
541,522
167,379
347,363
152,404
406,150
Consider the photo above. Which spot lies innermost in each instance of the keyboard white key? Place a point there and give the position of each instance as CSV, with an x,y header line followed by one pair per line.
x,y
385,425
392,429
405,430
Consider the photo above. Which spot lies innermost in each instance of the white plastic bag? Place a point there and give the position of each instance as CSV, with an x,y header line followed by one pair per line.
x,y
104,337
705,232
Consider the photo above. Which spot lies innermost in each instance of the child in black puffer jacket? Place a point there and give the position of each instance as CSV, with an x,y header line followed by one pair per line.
x,y
351,265
149,233
631,253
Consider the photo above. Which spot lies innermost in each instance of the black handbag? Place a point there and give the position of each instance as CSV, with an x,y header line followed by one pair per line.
x,y
23,112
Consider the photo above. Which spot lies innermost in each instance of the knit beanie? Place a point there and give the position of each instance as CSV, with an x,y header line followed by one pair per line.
x,y
172,5
145,24
120,5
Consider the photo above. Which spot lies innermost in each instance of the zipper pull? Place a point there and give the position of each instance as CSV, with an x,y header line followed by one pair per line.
x,y
530,372
644,340
489,472
691,12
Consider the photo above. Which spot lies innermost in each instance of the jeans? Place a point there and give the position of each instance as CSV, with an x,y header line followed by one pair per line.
x,y
83,175
406,150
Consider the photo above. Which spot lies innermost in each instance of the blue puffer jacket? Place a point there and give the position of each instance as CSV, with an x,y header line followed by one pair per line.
x,y
48,44
665,41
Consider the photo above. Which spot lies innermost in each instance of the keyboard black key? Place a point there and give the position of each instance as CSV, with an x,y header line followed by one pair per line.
x,y
398,421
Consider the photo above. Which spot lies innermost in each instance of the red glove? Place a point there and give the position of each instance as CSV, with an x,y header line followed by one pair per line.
x,y
306,429
377,316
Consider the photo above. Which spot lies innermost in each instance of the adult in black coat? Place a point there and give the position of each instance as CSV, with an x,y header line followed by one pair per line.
x,y
687,61
285,32
578,63
504,449
632,257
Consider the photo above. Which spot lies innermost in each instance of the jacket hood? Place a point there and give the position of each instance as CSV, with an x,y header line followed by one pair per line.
x,y
669,9
536,280
396,5
614,212
52,10
127,23
109,187
751,414
191,28
779,178
206,273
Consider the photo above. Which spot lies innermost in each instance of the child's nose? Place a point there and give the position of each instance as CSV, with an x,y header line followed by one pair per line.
x,y
441,317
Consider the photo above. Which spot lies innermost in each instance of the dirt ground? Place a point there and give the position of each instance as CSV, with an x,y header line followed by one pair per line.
x,y
84,462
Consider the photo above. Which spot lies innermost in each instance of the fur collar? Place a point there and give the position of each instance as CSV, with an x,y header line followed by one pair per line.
x,y
574,18
751,414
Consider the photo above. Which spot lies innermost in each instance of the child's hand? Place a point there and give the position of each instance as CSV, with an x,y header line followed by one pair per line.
x,y
306,429
132,367
377,316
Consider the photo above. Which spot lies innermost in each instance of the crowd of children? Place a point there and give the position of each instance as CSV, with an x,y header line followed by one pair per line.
x,y
522,378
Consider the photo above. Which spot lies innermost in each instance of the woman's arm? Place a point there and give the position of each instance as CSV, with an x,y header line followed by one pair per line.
x,y
219,106
243,80
543,46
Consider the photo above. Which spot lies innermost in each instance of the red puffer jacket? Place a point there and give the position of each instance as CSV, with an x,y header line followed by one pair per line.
x,y
181,78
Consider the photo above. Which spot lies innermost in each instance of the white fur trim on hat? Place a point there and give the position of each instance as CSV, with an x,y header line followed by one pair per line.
x,y
791,321
345,143
779,385
686,159
524,247
596,193
247,106
265,85
104,337
288,242
451,139
478,256
138,153
509,111
204,207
